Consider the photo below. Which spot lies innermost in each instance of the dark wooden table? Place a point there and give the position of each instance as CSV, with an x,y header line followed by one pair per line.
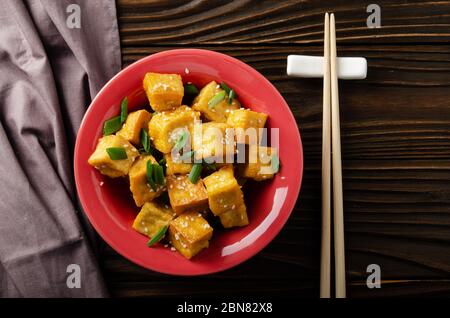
x,y
395,134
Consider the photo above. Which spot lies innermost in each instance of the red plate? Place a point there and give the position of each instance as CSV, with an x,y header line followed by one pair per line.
x,y
110,207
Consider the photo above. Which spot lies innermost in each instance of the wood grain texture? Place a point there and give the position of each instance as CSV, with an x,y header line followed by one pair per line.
x,y
395,140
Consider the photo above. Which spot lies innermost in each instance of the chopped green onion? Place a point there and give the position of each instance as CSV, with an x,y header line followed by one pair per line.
x,y
123,110
190,89
162,163
145,141
195,172
211,166
216,99
150,179
158,174
158,236
231,96
111,126
165,198
187,155
275,163
225,87
117,153
181,142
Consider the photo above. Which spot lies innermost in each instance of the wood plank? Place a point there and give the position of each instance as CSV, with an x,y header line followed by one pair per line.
x,y
274,22
395,134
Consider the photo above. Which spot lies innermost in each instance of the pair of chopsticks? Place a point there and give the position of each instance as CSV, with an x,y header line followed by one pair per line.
x,y
331,155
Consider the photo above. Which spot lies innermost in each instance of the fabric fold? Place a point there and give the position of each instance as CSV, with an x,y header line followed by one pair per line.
x,y
49,73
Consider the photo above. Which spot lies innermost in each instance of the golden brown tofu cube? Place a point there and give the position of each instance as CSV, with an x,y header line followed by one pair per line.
x,y
235,217
102,161
176,165
219,112
131,129
165,128
185,196
247,125
224,193
213,141
259,163
141,190
152,218
190,233
164,91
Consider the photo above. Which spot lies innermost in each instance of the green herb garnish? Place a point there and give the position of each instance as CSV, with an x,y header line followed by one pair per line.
x,y
187,155
181,142
225,87
123,110
111,126
158,236
211,166
145,141
162,163
158,174
275,163
195,172
165,198
231,95
117,153
216,99
190,89
150,179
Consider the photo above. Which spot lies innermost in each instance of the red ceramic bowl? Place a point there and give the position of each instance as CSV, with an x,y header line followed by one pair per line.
x,y
108,202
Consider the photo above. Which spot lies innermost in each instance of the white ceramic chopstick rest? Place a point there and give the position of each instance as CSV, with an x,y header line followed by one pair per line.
x,y
312,67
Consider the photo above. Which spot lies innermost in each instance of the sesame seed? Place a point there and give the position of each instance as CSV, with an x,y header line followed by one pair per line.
x,y
173,249
186,70
102,183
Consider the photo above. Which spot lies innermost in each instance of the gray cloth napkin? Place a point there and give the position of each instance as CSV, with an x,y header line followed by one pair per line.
x,y
49,72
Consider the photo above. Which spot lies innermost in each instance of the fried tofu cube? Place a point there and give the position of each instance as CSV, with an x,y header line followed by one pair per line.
x,y
131,129
190,233
235,217
213,141
219,112
165,128
247,125
186,196
164,91
141,190
152,218
259,163
224,192
176,165
102,161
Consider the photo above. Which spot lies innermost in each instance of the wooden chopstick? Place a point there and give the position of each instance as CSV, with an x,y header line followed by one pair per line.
x,y
325,266
339,250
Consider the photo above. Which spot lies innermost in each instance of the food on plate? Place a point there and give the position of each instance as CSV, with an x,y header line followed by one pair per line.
x,y
164,91
190,233
180,160
242,119
166,127
135,122
113,156
215,102
262,163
